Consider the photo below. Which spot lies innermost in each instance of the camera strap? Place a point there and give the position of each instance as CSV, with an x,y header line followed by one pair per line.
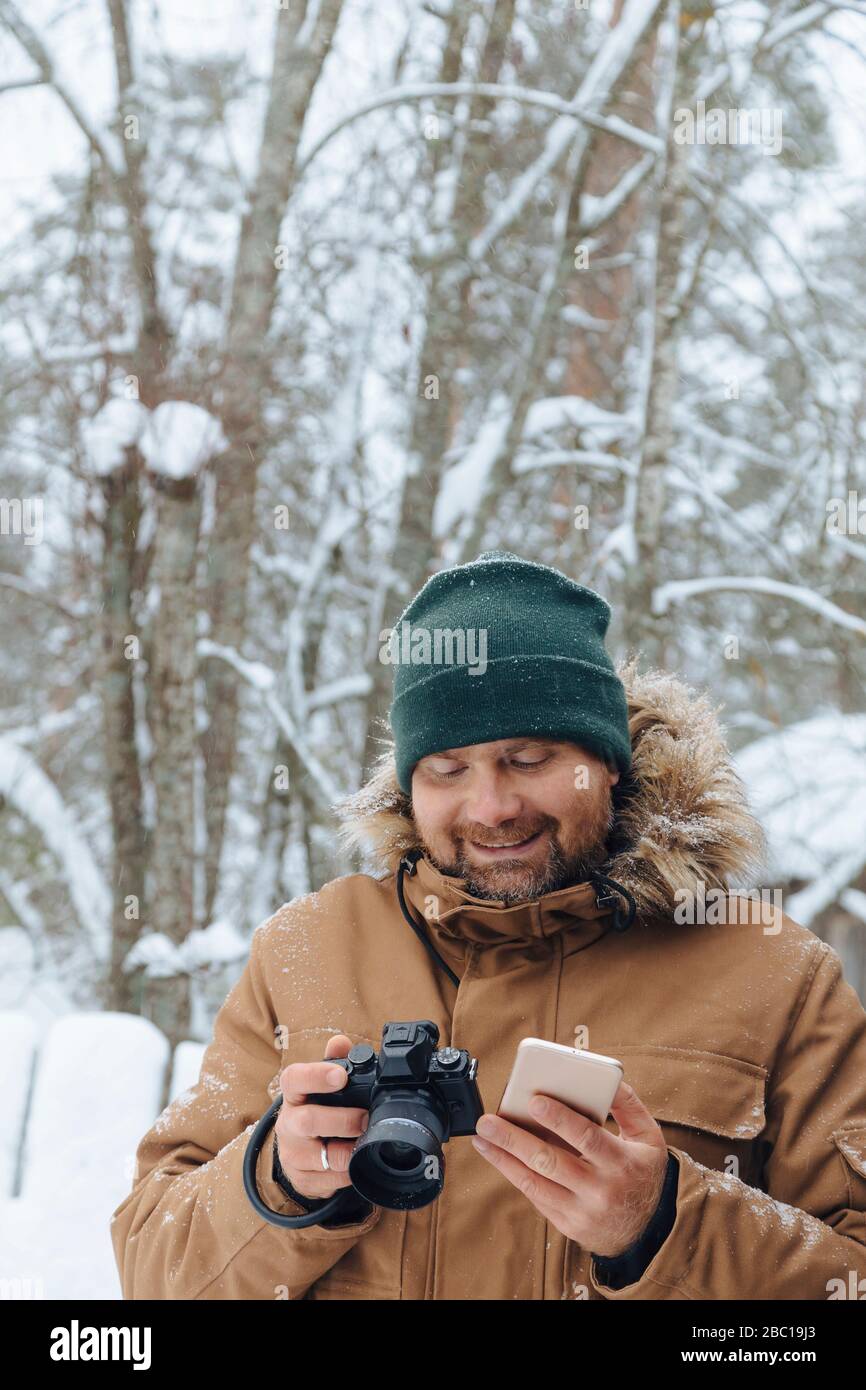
x,y
408,865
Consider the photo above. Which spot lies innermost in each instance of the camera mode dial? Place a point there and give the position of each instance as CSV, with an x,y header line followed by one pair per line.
x,y
448,1057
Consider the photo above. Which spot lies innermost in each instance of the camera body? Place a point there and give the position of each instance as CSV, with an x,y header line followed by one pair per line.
x,y
418,1096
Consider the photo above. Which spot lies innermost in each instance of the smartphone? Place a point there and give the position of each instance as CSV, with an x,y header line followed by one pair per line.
x,y
585,1081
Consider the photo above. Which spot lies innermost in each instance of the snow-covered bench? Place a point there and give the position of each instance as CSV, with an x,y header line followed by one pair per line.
x,y
75,1100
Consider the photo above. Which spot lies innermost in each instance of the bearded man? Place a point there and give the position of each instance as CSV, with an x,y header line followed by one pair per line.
x,y
538,823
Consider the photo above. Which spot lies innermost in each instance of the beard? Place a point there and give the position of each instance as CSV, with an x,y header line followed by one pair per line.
x,y
513,881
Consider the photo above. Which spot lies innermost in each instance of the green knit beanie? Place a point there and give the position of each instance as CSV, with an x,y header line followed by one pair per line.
x,y
503,648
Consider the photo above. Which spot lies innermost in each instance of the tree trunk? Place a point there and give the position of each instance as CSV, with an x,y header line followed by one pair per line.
x,y
120,525
172,671
243,381
435,416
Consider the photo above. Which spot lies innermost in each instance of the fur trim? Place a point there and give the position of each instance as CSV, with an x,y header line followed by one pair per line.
x,y
682,815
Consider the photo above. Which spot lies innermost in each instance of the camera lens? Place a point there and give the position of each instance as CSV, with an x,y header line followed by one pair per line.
x,y
401,1157
398,1161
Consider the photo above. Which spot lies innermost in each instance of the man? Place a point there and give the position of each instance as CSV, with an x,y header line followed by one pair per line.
x,y
547,827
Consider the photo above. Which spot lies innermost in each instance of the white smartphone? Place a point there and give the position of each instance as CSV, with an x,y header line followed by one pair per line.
x,y
585,1081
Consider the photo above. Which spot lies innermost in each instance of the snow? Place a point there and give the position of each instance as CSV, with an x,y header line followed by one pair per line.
x,y
36,798
346,688
26,985
767,1215
113,429
807,785
675,592
462,487
56,1232
179,437
854,901
607,66
577,413
175,439
159,956
18,1039
254,672
828,888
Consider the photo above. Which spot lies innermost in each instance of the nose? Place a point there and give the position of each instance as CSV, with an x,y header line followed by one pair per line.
x,y
490,800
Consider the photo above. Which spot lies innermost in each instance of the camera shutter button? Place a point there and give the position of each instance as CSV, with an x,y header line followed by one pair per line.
x,y
362,1056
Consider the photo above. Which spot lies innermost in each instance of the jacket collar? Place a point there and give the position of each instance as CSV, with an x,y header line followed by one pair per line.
x,y
451,913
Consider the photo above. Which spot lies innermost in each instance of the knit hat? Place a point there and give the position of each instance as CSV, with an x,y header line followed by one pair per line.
x,y
503,648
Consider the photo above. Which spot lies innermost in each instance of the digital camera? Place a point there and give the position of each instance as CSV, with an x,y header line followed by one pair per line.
x,y
418,1097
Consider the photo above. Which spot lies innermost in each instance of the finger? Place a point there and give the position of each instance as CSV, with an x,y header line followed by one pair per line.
x,y
551,1161
305,1155
632,1116
339,1045
597,1146
550,1198
326,1121
302,1079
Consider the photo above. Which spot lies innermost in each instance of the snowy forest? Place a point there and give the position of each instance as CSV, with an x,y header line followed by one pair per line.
x,y
306,299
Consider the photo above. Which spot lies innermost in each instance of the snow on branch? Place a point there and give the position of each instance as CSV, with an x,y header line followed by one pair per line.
x,y
419,91
462,486
571,458
809,902
35,797
179,438
678,590
854,901
262,679
690,424
792,23
49,72
595,211
850,547
577,413
21,586
159,957
175,439
112,430
347,688
604,72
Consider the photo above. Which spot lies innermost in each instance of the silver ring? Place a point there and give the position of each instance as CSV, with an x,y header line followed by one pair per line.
x,y
325,1163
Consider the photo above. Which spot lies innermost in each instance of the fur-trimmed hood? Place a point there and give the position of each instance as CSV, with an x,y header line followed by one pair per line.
x,y
682,814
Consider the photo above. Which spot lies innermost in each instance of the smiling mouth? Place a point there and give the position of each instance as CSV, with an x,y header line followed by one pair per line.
x,y
507,851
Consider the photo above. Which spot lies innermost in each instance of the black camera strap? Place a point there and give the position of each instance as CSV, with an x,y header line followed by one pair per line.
x,y
276,1218
408,865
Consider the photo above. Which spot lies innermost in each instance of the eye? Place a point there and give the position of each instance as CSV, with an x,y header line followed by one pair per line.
x,y
442,773
539,762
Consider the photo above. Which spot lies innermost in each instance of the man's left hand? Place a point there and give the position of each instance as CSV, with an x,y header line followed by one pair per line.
x,y
598,1188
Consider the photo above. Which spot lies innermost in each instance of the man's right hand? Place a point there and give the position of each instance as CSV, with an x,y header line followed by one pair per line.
x,y
301,1128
